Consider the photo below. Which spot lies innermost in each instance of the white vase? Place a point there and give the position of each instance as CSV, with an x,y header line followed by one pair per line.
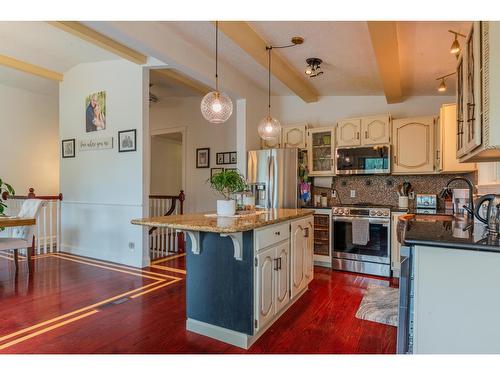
x,y
226,207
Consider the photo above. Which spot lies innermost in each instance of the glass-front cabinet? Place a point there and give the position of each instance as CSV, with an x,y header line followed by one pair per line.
x,y
321,148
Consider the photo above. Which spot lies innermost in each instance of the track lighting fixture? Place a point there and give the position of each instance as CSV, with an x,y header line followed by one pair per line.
x,y
442,84
313,68
455,46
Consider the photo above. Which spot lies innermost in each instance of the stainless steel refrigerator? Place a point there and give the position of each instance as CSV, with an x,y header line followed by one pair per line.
x,y
273,177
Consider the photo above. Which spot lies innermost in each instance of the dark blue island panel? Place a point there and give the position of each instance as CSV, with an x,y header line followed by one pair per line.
x,y
219,288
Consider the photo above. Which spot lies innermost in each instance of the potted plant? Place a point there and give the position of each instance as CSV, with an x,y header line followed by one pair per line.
x,y
5,190
227,183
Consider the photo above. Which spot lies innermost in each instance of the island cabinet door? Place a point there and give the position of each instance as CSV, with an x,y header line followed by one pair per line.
x,y
298,260
282,276
265,289
309,250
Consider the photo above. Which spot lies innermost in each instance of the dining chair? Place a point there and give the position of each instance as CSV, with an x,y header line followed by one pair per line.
x,y
23,236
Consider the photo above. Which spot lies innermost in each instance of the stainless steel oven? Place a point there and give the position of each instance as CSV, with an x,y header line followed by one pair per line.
x,y
372,258
363,160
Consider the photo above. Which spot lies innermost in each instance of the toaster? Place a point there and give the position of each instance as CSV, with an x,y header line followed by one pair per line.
x,y
427,201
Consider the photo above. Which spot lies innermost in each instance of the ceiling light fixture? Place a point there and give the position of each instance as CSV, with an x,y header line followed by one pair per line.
x,y
442,85
313,68
455,46
269,127
216,107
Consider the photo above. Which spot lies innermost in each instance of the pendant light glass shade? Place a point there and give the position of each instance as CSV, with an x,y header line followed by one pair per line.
x,y
455,46
269,128
442,86
216,107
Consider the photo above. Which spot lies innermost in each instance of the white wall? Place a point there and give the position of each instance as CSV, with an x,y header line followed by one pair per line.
x,y
166,166
29,143
185,112
329,109
103,190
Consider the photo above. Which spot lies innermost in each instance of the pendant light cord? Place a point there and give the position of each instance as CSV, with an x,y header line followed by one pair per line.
x,y
216,55
269,80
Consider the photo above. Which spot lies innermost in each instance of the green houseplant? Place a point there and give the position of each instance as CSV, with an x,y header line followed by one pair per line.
x,y
227,183
5,189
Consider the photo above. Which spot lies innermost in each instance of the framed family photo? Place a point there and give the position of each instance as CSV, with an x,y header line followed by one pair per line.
x,y
127,140
203,157
68,148
95,112
222,158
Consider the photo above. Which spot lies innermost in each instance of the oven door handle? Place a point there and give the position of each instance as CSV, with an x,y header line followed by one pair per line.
x,y
384,222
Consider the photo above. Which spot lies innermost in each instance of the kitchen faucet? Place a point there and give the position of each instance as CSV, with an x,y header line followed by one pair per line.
x,y
447,191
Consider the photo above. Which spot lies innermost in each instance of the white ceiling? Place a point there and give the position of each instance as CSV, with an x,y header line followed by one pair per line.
x,y
44,45
163,87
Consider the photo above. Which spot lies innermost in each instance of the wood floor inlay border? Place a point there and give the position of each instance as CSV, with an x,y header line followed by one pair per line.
x,y
160,281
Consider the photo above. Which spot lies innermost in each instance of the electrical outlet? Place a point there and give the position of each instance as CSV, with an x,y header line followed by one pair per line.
x,y
411,195
353,193
334,194
131,245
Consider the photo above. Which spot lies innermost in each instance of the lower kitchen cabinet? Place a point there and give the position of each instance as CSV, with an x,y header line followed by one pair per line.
x,y
302,263
322,237
283,269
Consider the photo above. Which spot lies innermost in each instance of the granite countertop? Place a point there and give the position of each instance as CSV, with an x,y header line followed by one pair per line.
x,y
200,222
450,232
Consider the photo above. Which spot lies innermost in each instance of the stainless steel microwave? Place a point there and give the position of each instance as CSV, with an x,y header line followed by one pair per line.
x,y
363,160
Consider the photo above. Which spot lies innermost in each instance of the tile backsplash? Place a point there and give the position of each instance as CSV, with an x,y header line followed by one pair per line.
x,y
383,189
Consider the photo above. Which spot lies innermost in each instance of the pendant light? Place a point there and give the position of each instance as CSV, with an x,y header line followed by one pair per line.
x,y
216,107
269,127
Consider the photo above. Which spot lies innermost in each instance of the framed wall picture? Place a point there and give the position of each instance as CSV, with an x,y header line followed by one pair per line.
x,y
219,158
127,140
233,157
95,112
227,159
232,169
214,171
68,148
203,157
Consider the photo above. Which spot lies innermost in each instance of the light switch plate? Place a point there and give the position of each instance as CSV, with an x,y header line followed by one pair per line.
x,y
353,193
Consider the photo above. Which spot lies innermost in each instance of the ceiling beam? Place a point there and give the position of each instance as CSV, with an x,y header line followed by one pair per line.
x,y
384,36
30,68
184,80
245,37
86,33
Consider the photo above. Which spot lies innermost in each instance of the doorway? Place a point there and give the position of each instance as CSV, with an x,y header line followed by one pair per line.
x,y
166,164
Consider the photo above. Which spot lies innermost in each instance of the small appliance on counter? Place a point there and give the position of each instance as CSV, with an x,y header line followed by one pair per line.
x,y
426,203
460,199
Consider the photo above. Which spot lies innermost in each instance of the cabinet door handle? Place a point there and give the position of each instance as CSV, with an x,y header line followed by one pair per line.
x,y
276,264
279,263
366,134
357,135
306,232
395,159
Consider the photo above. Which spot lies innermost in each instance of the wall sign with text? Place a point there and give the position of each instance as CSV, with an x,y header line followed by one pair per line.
x,y
100,143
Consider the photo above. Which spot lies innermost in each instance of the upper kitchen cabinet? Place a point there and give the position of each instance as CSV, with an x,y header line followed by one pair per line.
x,y
375,130
478,95
446,142
365,131
413,143
294,135
271,143
349,133
321,148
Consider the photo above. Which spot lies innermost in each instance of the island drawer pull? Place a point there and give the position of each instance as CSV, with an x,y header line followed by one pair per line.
x,y
306,232
276,266
278,233
279,263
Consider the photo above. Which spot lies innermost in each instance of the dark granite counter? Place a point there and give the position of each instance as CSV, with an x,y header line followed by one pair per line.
x,y
451,232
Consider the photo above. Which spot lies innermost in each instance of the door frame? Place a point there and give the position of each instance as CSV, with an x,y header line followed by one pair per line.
x,y
178,129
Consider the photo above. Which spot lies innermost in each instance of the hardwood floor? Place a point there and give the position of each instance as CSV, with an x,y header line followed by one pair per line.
x,y
79,305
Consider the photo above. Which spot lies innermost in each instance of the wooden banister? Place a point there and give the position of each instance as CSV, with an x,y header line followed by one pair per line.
x,y
32,195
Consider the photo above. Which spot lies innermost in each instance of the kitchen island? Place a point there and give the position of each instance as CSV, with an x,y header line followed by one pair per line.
x,y
242,272
449,283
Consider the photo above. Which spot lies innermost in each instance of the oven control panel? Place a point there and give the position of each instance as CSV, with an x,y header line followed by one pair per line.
x,y
363,212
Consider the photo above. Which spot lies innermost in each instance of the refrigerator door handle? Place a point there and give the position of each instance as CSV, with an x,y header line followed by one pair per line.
x,y
268,187
271,182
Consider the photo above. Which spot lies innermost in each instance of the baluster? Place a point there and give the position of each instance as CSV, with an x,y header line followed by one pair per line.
x,y
58,218
44,214
51,243
37,237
